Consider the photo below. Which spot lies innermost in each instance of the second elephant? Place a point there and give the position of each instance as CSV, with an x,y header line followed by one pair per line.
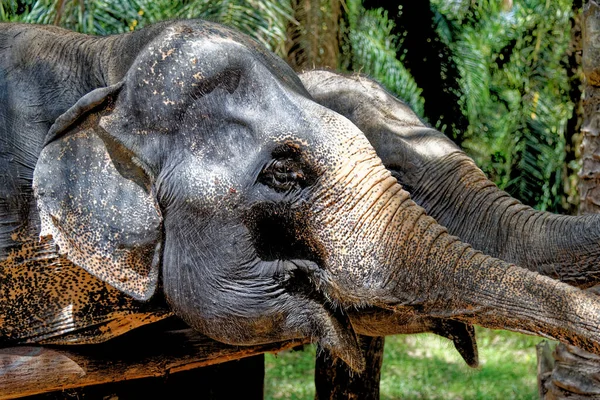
x,y
448,184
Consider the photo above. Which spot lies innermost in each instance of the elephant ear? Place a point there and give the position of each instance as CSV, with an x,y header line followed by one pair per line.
x,y
96,202
87,103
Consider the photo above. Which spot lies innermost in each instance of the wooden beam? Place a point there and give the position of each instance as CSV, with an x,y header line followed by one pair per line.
x,y
146,352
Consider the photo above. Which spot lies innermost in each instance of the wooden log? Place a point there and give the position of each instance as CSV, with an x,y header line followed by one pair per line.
x,y
238,379
146,352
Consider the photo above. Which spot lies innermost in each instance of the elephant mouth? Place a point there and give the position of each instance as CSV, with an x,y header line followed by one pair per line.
x,y
282,237
306,279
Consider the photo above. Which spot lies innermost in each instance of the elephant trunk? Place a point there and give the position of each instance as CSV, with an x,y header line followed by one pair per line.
x,y
481,290
386,252
563,247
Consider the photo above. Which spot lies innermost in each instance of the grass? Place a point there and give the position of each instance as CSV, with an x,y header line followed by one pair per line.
x,y
425,367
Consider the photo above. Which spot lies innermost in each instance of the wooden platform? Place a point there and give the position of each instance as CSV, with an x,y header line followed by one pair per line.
x,y
154,351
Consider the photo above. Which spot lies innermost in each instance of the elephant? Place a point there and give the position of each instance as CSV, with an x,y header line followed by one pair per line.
x,y
184,169
447,183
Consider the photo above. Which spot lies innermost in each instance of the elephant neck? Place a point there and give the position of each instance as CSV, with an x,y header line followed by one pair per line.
x,y
455,192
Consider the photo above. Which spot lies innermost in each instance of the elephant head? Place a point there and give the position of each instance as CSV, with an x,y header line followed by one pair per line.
x,y
209,172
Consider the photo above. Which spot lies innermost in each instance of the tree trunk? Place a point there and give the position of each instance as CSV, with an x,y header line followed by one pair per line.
x,y
573,132
572,373
589,186
314,40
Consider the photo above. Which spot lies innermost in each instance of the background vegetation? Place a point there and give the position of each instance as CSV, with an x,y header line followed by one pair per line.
x,y
497,76
500,77
425,366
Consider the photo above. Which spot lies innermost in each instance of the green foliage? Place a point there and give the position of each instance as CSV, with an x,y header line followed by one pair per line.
x,y
371,49
426,366
264,20
513,84
514,91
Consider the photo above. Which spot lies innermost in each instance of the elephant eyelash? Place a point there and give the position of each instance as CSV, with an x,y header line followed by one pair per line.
x,y
282,175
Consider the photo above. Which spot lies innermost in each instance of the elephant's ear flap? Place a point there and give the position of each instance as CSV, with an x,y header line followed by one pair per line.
x,y
84,105
91,201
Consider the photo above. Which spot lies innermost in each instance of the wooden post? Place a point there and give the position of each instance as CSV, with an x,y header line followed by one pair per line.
x,y
334,380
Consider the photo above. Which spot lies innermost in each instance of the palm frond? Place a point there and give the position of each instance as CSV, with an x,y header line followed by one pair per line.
x,y
515,94
373,52
264,20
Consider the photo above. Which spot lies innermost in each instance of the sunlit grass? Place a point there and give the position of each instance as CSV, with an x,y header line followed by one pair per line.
x,y
426,367
290,374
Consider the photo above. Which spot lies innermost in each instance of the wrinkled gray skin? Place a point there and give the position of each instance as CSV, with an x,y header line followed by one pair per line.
x,y
452,189
193,164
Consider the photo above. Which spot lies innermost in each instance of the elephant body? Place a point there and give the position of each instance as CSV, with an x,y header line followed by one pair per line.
x,y
183,169
44,297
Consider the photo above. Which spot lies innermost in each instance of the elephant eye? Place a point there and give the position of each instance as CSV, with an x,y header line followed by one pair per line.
x,y
282,174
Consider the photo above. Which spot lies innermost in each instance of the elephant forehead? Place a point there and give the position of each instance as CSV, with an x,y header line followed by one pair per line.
x,y
197,82
179,57
169,72
184,56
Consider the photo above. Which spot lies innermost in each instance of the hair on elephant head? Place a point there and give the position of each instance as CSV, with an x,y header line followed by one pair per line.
x,y
263,215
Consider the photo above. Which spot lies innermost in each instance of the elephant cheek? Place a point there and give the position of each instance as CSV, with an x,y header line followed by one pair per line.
x,y
215,281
